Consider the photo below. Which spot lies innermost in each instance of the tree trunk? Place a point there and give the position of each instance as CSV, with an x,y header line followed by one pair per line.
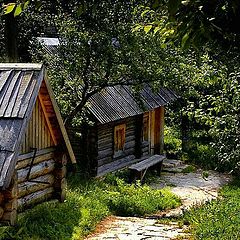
x,y
11,37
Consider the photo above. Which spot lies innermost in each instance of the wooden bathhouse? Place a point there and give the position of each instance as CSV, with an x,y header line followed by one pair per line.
x,y
34,146
125,130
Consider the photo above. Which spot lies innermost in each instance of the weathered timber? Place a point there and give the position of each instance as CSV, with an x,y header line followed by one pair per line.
x,y
139,169
35,197
1,198
60,189
116,165
41,156
129,145
105,153
27,188
151,161
10,217
37,170
11,205
11,192
105,145
1,212
60,173
105,160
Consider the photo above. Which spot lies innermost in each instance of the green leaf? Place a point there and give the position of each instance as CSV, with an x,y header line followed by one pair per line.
x,y
147,28
25,5
18,10
9,8
156,29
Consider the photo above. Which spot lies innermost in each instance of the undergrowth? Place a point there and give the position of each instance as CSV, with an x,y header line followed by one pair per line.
x,y
218,219
86,204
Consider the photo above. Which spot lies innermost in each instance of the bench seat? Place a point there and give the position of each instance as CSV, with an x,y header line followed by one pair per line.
x,y
139,169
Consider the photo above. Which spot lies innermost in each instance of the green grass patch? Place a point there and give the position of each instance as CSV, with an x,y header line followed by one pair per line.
x,y
86,204
218,219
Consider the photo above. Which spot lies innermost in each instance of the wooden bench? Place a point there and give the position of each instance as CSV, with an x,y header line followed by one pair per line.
x,y
139,169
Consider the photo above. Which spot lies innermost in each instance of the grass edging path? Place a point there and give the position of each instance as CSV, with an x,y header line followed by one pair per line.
x,y
219,219
87,203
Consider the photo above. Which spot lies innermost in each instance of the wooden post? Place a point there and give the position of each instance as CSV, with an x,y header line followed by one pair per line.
x,y
138,135
60,174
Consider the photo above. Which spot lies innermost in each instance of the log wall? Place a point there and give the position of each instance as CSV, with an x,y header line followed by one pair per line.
x,y
109,161
46,180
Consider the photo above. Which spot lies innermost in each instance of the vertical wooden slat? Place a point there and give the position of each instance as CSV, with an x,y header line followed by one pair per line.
x,y
37,125
161,129
157,131
152,123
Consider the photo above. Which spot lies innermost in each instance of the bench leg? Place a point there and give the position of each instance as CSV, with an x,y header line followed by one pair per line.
x,y
159,168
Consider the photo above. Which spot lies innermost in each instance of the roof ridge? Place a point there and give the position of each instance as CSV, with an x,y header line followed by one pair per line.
x,y
21,66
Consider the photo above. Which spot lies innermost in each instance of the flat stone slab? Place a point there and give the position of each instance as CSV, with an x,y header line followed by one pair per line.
x,y
192,188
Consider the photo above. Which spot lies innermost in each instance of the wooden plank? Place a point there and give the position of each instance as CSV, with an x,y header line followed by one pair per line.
x,y
157,131
6,99
37,170
27,188
23,88
38,153
35,197
47,120
161,130
60,121
21,66
41,158
116,165
13,98
151,161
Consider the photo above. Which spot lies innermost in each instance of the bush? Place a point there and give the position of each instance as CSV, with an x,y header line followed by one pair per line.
x,y
172,143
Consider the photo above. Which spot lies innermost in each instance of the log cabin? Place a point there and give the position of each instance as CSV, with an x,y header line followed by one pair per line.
x,y
125,129
34,145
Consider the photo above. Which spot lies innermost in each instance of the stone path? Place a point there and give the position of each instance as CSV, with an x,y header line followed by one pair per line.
x,y
192,188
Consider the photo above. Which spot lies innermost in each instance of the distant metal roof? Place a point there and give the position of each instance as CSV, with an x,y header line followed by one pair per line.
x,y
118,102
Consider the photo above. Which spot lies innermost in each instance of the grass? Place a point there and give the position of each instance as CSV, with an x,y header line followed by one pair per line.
x,y
86,204
218,219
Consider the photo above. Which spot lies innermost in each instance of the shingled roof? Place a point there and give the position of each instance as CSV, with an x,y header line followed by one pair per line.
x,y
19,87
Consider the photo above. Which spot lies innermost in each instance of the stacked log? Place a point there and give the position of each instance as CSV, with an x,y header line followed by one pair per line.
x,y
36,182
8,203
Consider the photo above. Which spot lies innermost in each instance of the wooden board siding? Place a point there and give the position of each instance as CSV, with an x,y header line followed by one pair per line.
x,y
106,159
37,134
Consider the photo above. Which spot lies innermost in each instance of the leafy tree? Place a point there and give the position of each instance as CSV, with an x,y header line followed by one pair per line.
x,y
98,49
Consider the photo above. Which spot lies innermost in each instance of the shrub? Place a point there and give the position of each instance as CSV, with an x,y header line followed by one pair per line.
x,y
172,143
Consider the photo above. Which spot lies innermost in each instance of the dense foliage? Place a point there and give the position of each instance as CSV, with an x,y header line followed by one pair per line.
x,y
86,204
